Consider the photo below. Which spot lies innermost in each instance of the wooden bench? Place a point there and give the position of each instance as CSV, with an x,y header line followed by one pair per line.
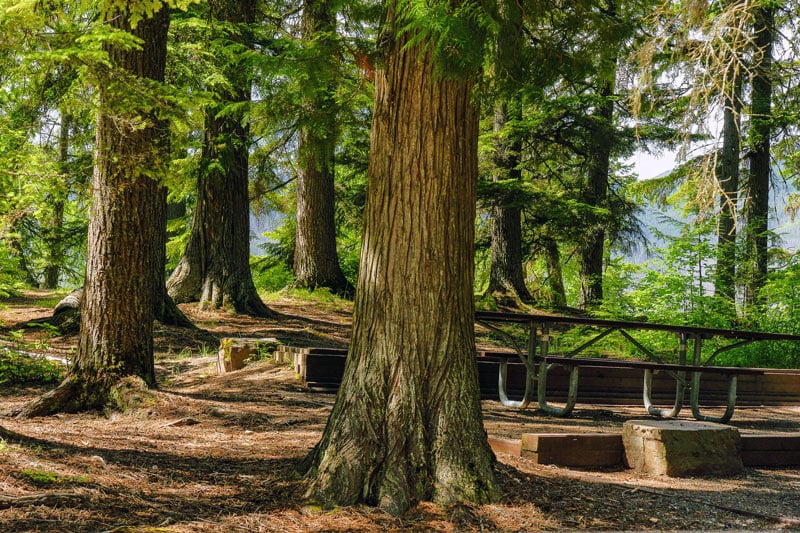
x,y
541,367
538,361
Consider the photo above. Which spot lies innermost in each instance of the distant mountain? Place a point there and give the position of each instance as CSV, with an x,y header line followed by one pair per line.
x,y
656,220
259,225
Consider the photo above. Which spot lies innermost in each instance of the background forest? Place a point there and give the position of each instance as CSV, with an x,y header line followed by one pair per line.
x,y
269,106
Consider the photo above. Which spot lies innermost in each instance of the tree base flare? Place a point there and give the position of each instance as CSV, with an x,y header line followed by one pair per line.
x,y
74,395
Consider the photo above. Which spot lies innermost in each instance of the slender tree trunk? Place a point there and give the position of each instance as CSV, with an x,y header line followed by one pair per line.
x,y
316,263
555,275
506,278
407,425
728,178
215,267
55,233
16,247
596,195
125,259
760,164
601,144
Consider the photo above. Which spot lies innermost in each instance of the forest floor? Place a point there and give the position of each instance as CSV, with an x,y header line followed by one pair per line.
x,y
221,453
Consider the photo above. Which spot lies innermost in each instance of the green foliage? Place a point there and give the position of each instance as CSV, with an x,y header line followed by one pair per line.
x,y
18,367
270,274
10,281
780,315
674,287
453,33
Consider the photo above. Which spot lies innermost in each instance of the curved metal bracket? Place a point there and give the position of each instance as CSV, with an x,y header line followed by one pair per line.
x,y
572,392
695,400
676,407
502,392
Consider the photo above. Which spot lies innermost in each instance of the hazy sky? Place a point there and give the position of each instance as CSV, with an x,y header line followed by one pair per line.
x,y
649,166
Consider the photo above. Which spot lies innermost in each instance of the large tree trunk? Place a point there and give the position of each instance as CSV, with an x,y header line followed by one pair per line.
x,y
728,178
506,278
215,267
760,166
316,263
406,425
124,271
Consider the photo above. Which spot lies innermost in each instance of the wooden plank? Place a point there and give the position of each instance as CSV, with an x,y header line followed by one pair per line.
x,y
771,457
603,385
510,446
573,449
775,442
319,367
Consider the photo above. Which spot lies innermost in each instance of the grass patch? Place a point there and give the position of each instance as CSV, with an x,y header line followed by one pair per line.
x,y
50,300
322,298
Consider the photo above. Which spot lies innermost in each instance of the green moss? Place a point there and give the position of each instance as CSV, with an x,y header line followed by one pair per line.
x,y
129,394
45,478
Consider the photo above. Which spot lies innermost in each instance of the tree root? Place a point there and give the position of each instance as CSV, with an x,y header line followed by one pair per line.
x,y
255,307
74,395
67,315
67,398
51,499
170,314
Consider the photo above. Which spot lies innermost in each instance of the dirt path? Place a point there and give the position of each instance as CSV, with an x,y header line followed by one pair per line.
x,y
222,454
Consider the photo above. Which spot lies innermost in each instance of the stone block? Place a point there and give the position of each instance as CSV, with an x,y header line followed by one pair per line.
x,y
682,448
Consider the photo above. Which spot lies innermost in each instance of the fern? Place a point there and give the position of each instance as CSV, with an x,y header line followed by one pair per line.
x,y
454,36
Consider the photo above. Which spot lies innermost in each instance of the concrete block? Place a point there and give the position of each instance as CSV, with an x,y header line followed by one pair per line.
x,y
682,448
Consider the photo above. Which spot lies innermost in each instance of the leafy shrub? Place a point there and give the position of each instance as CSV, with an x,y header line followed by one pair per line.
x,y
271,274
18,367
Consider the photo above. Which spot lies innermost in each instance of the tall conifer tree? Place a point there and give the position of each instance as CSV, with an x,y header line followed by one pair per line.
x,y
215,267
124,273
316,263
406,425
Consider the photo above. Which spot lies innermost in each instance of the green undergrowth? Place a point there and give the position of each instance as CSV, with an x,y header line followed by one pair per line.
x,y
321,298
51,299
18,368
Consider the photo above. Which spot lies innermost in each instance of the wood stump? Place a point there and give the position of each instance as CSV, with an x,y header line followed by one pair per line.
x,y
234,352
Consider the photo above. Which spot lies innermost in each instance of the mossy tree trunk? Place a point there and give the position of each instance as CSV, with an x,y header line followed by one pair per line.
x,y
728,178
757,210
54,233
215,267
506,277
125,256
406,425
555,274
316,262
601,144
596,195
